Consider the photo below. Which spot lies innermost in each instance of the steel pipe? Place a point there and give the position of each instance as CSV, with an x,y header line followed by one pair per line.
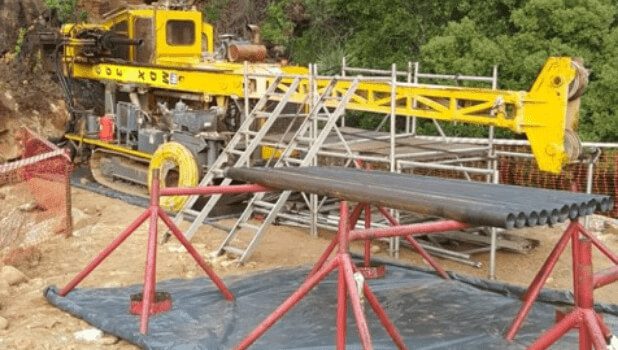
x,y
473,203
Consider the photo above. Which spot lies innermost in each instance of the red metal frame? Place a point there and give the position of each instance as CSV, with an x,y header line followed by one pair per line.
x,y
154,213
346,289
346,282
161,304
369,270
592,329
396,230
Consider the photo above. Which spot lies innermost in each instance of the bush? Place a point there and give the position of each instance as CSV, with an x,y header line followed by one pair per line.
x,y
66,10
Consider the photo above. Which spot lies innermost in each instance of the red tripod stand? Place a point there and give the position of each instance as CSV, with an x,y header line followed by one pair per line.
x,y
347,285
154,213
592,330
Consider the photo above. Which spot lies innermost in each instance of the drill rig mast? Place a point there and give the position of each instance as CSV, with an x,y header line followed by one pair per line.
x,y
177,86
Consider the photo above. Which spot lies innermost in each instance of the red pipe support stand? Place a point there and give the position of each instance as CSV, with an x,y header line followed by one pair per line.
x,y
593,332
154,212
369,270
414,244
347,288
405,231
210,190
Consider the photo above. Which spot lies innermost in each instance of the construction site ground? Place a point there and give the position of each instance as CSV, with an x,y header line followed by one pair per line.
x,y
35,324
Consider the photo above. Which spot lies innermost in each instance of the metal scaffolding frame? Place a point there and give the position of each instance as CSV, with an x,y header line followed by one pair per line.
x,y
447,156
400,151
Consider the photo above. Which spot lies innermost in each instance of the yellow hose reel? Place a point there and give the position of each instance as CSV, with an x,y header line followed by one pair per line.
x,y
174,156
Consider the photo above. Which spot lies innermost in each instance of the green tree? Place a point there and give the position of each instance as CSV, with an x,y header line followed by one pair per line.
x,y
536,30
466,37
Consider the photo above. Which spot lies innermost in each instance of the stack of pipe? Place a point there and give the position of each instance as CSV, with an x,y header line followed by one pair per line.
x,y
473,203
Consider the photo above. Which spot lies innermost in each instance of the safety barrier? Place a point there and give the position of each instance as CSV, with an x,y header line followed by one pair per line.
x,y
35,193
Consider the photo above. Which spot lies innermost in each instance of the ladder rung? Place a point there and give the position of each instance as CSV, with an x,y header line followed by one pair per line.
x,y
221,227
282,115
191,212
261,211
292,115
293,160
236,152
264,204
218,172
249,226
234,250
249,132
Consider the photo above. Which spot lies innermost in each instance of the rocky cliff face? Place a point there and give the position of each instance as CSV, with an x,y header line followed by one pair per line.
x,y
14,16
28,95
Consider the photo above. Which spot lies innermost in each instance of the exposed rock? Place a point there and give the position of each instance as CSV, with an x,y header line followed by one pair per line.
x,y
12,275
8,101
89,335
4,288
78,216
108,340
41,231
4,323
227,263
28,207
175,248
37,283
20,257
23,344
16,15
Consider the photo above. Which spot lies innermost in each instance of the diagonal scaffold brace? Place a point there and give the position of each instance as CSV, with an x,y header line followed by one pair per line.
x,y
154,213
593,332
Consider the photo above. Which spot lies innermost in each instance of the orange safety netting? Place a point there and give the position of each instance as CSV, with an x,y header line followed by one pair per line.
x,y
524,172
35,196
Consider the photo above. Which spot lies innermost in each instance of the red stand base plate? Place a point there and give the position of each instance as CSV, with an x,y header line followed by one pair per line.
x,y
162,303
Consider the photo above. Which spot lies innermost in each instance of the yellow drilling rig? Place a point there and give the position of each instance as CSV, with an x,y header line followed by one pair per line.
x,y
174,95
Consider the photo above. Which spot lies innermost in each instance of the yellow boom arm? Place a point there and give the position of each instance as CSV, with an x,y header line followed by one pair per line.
x,y
540,113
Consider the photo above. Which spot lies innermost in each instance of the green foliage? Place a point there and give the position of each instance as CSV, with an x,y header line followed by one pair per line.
x,y
21,36
462,36
277,29
213,10
66,10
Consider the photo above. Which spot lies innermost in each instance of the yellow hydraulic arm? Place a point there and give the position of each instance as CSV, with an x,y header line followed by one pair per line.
x,y
547,114
544,113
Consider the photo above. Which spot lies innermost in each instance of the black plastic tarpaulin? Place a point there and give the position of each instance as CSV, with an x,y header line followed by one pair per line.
x,y
430,313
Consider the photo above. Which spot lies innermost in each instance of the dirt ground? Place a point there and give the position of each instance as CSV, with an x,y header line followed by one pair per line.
x,y
35,324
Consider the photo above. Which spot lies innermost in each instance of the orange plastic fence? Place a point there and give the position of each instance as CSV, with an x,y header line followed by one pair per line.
x,y
35,193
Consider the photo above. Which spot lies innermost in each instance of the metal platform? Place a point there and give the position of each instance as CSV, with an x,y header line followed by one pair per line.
x,y
375,146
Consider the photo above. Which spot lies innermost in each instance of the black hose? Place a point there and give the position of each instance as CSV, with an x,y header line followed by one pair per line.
x,y
67,89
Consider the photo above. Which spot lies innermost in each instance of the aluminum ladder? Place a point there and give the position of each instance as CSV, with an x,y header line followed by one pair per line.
x,y
242,145
318,117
